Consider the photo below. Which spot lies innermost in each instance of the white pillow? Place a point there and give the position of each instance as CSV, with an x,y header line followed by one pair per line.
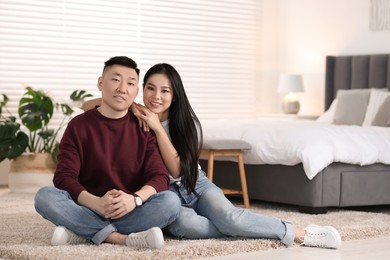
x,y
328,116
377,96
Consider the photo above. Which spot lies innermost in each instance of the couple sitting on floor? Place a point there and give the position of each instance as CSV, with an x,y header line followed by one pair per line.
x,y
125,171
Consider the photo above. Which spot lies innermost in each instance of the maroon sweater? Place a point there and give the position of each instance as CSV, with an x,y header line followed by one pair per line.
x,y
98,154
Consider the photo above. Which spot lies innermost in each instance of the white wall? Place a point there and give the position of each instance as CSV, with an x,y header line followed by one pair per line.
x,y
300,33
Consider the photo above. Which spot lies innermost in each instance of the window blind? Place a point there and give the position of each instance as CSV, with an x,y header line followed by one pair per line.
x,y
60,45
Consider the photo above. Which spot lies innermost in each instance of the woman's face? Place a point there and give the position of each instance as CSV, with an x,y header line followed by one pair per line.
x,y
158,95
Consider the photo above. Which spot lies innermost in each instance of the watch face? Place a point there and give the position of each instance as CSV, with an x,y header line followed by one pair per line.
x,y
138,201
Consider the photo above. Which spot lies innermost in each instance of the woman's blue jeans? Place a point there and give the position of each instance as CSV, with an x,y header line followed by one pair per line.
x,y
212,215
58,207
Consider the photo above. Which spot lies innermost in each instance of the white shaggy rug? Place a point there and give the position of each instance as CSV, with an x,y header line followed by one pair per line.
x,y
26,235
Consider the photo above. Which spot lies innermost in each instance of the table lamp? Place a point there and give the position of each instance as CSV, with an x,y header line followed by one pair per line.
x,y
289,84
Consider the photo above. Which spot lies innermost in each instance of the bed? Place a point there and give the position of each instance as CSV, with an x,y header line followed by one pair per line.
x,y
325,172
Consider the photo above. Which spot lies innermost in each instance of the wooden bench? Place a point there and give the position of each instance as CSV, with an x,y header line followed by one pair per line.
x,y
227,148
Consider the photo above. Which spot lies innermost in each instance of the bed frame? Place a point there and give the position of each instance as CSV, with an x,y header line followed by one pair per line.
x,y
339,184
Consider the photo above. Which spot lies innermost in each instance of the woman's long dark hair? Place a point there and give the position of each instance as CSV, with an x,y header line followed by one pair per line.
x,y
184,126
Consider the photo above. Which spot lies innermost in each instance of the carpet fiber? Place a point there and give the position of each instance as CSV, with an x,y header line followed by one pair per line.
x,y
26,235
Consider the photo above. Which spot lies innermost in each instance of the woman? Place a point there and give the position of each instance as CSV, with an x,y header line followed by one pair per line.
x,y
205,212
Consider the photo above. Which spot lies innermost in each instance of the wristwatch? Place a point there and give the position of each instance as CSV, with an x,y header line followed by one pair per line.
x,y
137,200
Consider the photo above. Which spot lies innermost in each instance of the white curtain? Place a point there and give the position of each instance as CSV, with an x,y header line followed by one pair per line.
x,y
61,45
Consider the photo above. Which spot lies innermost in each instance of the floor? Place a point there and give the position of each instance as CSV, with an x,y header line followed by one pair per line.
x,y
376,248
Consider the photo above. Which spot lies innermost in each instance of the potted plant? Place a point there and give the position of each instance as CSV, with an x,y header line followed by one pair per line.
x,y
36,144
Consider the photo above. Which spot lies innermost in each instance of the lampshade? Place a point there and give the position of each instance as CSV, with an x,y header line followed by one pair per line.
x,y
290,83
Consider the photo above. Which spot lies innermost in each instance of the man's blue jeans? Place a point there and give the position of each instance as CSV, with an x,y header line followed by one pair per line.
x,y
57,206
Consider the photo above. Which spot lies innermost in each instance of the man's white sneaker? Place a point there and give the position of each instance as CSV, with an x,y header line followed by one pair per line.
x,y
152,238
63,236
322,236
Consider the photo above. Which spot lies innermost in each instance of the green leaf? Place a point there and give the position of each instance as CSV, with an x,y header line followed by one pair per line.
x,y
66,109
3,102
35,109
18,146
8,130
11,119
79,95
46,134
13,142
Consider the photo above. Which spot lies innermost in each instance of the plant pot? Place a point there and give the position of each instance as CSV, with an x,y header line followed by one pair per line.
x,y
4,170
30,172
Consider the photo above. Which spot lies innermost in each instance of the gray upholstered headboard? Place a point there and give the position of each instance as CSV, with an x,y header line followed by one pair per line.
x,y
357,71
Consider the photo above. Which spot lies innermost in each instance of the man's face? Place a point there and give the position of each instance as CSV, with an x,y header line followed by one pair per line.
x,y
119,87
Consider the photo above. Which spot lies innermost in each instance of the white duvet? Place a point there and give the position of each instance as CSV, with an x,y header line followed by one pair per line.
x,y
314,144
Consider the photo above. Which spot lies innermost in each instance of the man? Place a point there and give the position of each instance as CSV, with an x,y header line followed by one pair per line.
x,y
110,182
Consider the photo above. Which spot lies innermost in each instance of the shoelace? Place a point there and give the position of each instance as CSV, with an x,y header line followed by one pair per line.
x,y
138,241
75,239
313,239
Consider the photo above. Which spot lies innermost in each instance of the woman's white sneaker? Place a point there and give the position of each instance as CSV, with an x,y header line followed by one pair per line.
x,y
322,236
151,238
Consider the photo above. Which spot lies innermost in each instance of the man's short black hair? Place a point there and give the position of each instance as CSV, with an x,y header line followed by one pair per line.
x,y
123,61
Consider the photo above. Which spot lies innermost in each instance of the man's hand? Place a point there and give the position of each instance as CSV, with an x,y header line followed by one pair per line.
x,y
116,204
